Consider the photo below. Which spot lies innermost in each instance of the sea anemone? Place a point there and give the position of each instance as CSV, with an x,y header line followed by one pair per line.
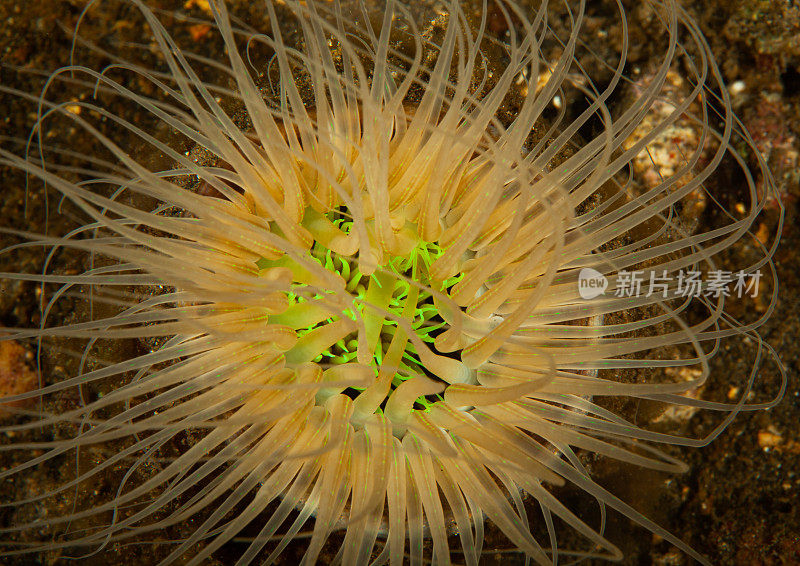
x,y
336,290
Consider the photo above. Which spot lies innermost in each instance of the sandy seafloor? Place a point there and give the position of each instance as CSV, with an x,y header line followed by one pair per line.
x,y
737,504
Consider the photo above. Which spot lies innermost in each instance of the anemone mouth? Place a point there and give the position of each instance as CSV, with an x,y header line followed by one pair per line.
x,y
392,302
370,310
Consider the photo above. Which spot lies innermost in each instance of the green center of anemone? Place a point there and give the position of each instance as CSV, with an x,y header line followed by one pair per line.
x,y
400,288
